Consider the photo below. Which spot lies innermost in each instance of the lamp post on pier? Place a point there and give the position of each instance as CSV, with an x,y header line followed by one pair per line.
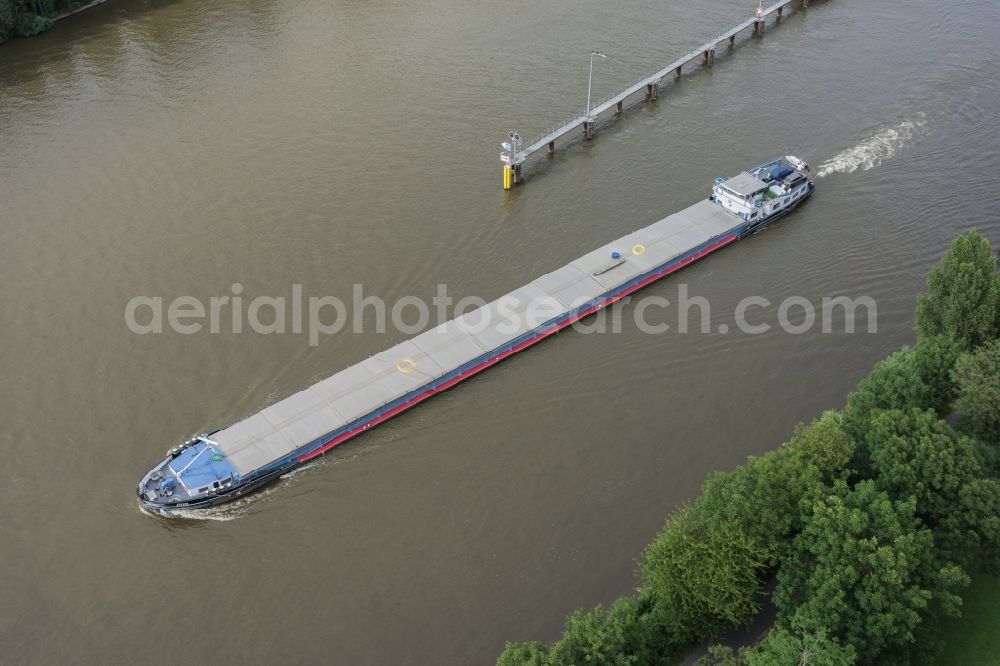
x,y
590,78
588,122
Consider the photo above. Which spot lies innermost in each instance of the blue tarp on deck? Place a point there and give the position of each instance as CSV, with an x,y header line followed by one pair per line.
x,y
199,465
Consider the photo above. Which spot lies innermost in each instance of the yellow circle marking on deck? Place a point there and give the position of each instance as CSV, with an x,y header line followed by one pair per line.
x,y
406,365
638,249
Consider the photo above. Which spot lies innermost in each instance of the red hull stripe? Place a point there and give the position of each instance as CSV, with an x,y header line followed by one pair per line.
x,y
343,437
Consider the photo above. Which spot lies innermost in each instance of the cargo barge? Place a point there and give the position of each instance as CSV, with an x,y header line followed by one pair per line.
x,y
219,467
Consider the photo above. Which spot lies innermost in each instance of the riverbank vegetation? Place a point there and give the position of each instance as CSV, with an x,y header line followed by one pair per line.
x,y
871,519
24,18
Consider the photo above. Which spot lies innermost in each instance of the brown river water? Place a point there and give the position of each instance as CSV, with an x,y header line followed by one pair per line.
x,y
174,147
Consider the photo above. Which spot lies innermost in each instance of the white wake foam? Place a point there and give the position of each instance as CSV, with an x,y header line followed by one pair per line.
x,y
222,513
875,150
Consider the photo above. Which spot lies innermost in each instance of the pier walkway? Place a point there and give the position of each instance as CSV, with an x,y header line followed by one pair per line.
x,y
650,85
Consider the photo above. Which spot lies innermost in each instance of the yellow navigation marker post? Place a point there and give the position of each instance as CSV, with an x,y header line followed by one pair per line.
x,y
511,164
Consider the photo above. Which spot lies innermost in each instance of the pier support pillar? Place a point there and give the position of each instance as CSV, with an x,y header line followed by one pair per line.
x,y
732,41
677,72
710,57
758,27
588,129
805,4
618,107
516,173
780,10
552,147
652,89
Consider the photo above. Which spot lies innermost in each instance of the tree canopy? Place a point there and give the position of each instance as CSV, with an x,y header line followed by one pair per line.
x,y
913,454
706,571
763,495
913,378
963,296
23,18
864,570
783,647
977,377
894,383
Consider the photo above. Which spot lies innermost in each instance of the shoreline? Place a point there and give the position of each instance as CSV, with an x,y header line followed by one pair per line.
x,y
89,5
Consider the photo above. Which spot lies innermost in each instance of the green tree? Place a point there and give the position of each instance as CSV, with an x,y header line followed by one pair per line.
x,y
602,638
963,296
811,649
934,357
524,654
706,570
977,376
29,24
6,20
721,655
919,377
782,647
635,630
763,495
863,569
913,454
894,383
30,17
